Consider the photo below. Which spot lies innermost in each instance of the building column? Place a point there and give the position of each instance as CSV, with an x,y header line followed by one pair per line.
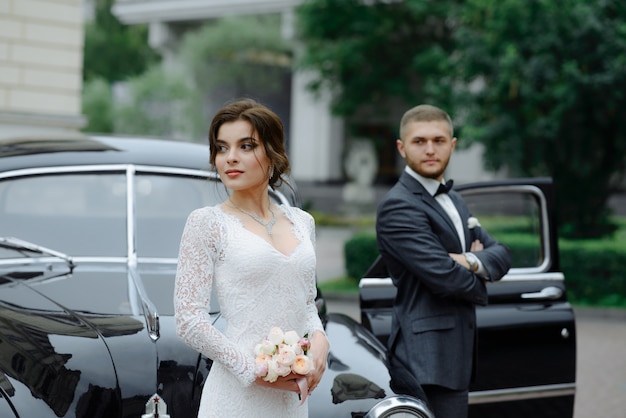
x,y
316,137
41,57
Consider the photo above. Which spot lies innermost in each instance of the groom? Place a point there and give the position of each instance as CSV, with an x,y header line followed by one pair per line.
x,y
438,263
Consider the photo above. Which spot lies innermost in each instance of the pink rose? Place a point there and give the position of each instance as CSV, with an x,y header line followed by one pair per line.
x,y
286,355
265,347
279,369
302,365
261,368
305,343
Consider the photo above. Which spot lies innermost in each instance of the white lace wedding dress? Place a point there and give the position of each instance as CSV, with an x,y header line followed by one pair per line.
x,y
258,287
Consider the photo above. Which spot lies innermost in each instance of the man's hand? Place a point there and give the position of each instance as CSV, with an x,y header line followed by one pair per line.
x,y
461,259
476,246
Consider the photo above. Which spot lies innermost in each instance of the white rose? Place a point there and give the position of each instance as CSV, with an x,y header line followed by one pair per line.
x,y
272,372
276,335
291,337
265,347
286,355
472,222
298,349
280,369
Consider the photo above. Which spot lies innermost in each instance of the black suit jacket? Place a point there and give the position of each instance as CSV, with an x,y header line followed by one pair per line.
x,y
432,338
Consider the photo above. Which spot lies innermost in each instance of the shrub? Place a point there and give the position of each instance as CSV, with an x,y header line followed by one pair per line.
x,y
97,102
593,269
360,252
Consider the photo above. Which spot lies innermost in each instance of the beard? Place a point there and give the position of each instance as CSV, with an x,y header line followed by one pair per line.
x,y
432,172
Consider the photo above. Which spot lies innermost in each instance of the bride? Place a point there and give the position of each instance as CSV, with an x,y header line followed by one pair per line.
x,y
259,259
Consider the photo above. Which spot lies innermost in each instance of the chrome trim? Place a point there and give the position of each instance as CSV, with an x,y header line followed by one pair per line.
x,y
108,167
556,276
17,244
368,282
375,282
134,294
400,404
547,293
148,307
522,393
77,260
131,230
157,260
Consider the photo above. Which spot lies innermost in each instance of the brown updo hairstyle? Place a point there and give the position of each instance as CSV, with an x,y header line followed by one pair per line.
x,y
265,123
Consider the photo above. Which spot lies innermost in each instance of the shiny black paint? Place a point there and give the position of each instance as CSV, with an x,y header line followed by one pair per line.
x,y
70,347
99,364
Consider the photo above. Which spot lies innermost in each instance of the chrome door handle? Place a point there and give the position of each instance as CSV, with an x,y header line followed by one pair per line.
x,y
550,292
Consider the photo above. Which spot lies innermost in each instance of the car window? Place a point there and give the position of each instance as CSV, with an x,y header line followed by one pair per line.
x,y
514,216
162,206
77,214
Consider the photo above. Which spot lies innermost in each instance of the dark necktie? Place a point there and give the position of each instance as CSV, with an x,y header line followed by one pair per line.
x,y
444,188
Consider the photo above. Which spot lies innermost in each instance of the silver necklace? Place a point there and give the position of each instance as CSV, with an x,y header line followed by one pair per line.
x,y
268,225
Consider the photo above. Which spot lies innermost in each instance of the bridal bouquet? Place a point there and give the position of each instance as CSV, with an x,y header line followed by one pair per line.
x,y
281,353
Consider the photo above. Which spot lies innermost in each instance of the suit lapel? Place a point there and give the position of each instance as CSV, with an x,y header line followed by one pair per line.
x,y
464,214
416,187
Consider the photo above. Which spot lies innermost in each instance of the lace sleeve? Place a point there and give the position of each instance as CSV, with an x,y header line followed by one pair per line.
x,y
199,250
313,320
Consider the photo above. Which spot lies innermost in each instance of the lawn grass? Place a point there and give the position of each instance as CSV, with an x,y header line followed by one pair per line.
x,y
340,285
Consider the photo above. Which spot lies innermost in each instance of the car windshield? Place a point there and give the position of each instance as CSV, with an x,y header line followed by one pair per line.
x,y
85,214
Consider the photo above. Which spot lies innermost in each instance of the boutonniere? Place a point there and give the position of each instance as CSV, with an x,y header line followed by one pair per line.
x,y
472,222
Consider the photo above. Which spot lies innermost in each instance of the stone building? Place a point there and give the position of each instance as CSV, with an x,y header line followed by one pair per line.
x,y
41,59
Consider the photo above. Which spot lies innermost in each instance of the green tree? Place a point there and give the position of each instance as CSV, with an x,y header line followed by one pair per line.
x,y
114,51
234,56
368,52
242,54
97,102
541,83
159,103
549,97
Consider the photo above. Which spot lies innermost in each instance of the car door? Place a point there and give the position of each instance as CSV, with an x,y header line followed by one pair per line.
x,y
526,358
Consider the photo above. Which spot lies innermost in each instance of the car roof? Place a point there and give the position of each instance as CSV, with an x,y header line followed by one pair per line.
x,y
34,149
67,149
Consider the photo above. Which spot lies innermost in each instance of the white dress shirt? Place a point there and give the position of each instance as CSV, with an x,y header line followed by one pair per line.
x,y
446,203
443,199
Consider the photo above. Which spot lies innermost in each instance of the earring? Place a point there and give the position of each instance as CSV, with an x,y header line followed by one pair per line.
x,y
271,173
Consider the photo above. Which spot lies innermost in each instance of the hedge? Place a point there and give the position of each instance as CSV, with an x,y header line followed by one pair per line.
x,y
595,271
360,251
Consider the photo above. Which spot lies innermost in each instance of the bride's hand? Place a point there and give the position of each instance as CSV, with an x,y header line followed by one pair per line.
x,y
319,353
282,382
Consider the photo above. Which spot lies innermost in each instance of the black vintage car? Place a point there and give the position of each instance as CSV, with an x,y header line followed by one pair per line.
x,y
89,235
527,334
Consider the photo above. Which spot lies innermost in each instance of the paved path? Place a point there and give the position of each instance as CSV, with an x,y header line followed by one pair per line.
x,y
601,338
601,365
